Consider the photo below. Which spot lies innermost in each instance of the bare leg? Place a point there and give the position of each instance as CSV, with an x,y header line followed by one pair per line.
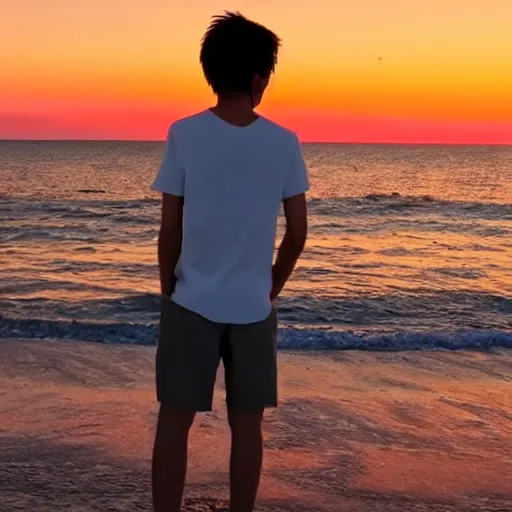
x,y
246,458
170,458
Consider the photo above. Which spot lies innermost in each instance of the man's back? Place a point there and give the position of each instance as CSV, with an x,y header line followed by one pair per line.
x,y
233,180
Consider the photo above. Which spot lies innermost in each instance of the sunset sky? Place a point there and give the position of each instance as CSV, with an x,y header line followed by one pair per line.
x,y
124,69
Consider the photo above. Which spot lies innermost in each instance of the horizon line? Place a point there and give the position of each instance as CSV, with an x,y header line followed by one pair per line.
x,y
397,143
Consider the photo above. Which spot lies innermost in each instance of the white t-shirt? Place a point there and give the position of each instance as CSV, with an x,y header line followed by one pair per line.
x,y
233,180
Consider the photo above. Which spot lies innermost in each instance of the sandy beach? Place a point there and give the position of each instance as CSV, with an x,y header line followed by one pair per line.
x,y
356,431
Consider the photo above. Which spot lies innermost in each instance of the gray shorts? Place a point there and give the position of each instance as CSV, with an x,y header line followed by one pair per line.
x,y
189,352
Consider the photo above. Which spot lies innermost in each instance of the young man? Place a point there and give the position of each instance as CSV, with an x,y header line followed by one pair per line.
x,y
224,175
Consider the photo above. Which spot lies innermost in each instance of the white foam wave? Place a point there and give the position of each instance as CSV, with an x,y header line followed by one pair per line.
x,y
288,338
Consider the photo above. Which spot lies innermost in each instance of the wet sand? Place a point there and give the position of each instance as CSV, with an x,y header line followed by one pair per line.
x,y
356,431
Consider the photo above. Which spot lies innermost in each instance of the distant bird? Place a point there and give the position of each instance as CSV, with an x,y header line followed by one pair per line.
x,y
355,168
380,58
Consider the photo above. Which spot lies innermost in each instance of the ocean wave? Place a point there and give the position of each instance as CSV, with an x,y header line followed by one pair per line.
x,y
369,204
378,204
421,309
96,221
288,338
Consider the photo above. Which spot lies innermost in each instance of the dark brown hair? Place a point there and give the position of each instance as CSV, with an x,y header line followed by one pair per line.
x,y
234,50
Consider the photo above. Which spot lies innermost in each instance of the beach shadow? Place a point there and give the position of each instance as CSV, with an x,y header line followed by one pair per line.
x,y
42,474
45,475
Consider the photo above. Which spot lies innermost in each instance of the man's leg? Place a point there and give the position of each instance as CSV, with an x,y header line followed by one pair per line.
x,y
186,365
249,355
246,457
170,458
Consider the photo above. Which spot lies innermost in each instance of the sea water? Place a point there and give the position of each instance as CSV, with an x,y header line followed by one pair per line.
x,y
410,246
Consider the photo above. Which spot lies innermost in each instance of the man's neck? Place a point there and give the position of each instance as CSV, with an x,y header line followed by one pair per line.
x,y
237,110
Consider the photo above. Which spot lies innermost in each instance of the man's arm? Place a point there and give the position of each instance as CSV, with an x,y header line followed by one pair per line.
x,y
169,241
292,245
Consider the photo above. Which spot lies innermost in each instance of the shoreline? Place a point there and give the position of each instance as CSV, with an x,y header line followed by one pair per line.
x,y
289,337
355,431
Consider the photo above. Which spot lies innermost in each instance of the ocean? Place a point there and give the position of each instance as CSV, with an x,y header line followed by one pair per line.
x,y
410,246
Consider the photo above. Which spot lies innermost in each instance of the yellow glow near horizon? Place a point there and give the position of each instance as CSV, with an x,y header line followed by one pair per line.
x,y
437,70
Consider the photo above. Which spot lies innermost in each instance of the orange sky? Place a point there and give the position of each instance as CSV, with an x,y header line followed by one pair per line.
x,y
124,69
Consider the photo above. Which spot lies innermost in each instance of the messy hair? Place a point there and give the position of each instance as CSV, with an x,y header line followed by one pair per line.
x,y
233,50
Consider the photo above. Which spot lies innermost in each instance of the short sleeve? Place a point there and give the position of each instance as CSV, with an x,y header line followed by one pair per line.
x,y
296,181
171,177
